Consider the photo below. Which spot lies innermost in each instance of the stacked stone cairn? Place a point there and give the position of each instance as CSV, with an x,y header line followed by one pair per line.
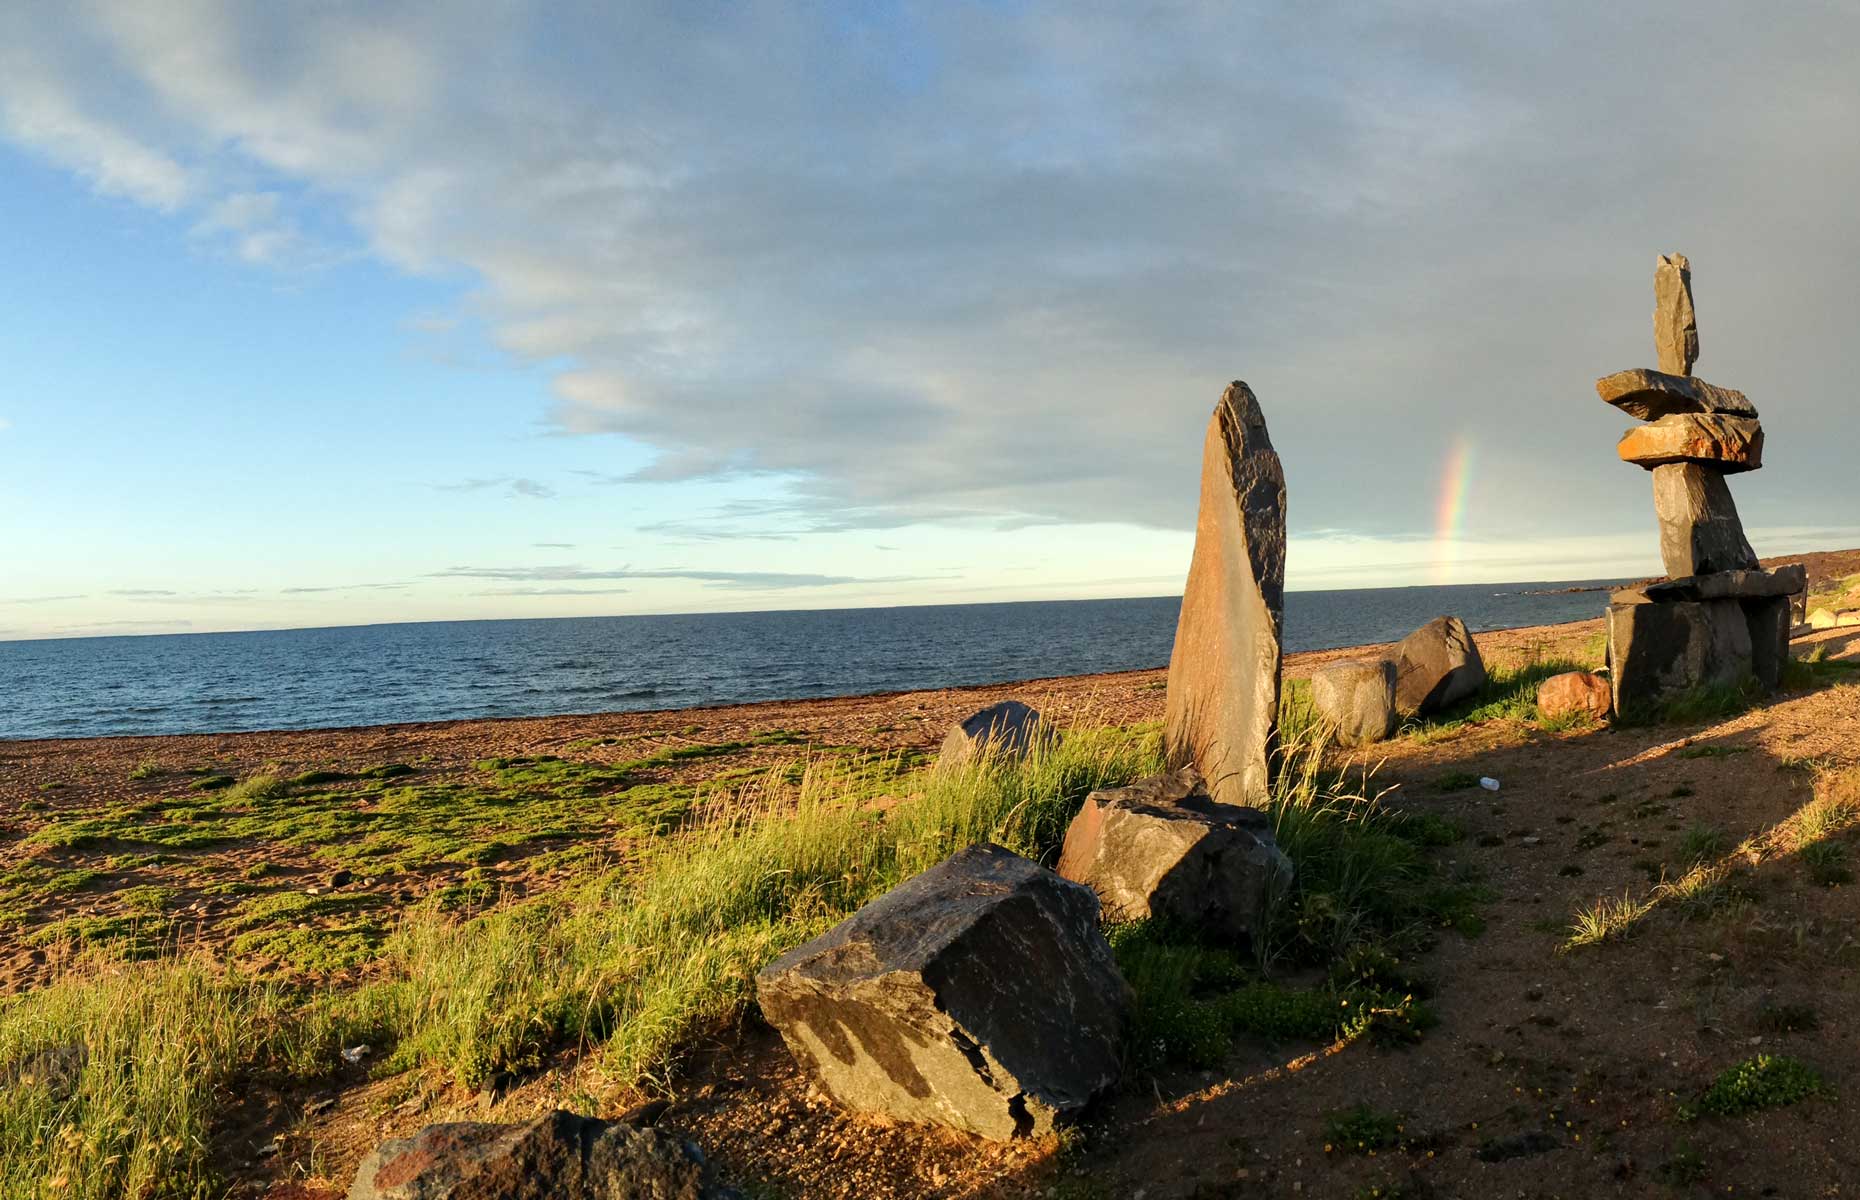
x,y
1718,620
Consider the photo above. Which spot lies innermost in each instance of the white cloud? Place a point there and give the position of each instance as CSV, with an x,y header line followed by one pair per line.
x,y
973,265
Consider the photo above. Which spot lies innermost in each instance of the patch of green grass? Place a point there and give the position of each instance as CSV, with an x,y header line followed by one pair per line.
x,y
1607,919
310,779
1701,842
1826,863
212,783
1717,750
1509,694
145,770
1361,1129
1764,1082
386,771
259,787
1456,781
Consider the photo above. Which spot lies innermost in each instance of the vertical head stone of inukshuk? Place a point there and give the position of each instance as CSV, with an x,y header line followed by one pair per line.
x,y
1222,708
1695,436
1675,324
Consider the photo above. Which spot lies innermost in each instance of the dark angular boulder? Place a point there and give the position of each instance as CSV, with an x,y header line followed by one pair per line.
x,y
1436,667
1163,847
1009,730
979,995
558,1156
1651,395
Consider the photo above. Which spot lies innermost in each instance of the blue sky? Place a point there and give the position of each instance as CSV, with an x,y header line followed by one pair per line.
x,y
348,313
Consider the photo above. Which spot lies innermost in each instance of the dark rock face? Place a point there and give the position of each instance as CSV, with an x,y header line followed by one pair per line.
x,y
1656,651
979,995
1650,395
1009,729
1700,533
1222,709
559,1156
1163,847
1357,698
1436,667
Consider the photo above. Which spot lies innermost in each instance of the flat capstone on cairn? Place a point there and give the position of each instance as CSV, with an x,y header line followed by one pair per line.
x,y
1718,620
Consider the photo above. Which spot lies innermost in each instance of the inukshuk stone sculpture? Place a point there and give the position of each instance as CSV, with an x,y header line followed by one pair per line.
x,y
1718,620
1221,713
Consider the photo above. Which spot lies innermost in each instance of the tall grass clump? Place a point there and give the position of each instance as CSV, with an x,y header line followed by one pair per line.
x,y
108,1078
636,960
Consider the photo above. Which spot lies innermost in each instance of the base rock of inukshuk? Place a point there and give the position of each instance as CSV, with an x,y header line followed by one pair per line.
x,y
1221,712
980,995
1718,620
1163,848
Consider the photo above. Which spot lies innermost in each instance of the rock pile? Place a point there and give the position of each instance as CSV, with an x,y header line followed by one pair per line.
x,y
1221,713
979,995
1718,619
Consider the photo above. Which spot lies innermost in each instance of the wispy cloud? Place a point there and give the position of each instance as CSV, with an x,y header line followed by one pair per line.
x,y
514,486
142,593
747,580
342,587
43,599
551,591
553,545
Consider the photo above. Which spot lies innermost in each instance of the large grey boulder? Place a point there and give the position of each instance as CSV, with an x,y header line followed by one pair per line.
x,y
1436,667
979,995
1006,731
1700,533
1163,847
1357,699
1221,712
558,1156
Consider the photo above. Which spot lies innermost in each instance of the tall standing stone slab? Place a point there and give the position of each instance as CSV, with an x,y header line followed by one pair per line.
x,y
1222,709
980,995
1700,533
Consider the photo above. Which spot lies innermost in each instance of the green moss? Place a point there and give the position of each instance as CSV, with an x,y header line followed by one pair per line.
x,y
1764,1082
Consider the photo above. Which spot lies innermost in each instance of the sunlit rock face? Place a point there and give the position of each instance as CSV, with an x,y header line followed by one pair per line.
x,y
1222,709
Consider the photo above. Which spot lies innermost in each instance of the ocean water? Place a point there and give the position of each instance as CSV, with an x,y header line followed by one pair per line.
x,y
378,674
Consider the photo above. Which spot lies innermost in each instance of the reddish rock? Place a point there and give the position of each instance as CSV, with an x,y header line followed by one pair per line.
x,y
1731,444
1574,692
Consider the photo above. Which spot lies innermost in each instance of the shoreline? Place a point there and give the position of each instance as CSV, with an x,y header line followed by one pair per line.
x,y
1297,665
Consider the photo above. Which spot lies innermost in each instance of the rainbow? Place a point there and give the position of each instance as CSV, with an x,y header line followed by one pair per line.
x,y
1450,512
